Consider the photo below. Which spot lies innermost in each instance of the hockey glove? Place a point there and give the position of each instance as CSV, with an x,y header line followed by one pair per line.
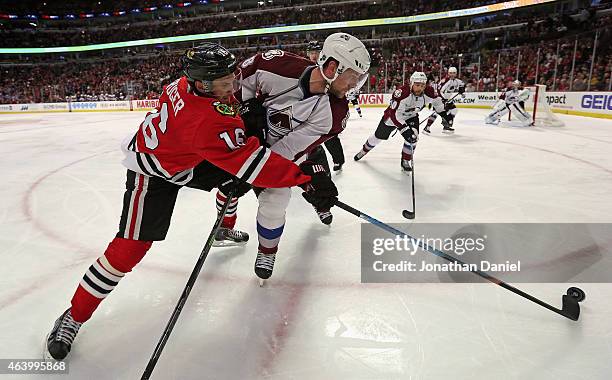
x,y
253,114
461,89
449,106
320,191
240,187
410,131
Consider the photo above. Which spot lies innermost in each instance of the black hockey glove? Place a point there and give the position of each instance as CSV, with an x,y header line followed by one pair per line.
x,y
253,114
240,187
410,131
320,191
461,89
449,106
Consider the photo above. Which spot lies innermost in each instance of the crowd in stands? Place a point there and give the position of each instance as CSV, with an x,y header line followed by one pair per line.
x,y
394,57
517,61
43,35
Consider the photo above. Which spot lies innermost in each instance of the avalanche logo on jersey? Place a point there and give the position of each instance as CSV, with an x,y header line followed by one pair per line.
x,y
225,109
279,121
270,54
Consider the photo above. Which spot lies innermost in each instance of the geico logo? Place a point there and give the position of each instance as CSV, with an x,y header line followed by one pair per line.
x,y
553,99
597,102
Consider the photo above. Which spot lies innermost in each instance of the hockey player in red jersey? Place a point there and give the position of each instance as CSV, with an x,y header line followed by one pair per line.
x,y
301,105
194,138
403,115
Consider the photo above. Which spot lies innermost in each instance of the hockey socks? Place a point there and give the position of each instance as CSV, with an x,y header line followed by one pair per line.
x,y
104,274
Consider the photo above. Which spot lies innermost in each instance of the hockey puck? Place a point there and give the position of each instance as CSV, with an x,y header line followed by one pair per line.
x,y
408,214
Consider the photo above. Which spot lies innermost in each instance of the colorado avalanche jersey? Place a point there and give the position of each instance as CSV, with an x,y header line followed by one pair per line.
x,y
511,95
448,87
298,120
405,105
186,129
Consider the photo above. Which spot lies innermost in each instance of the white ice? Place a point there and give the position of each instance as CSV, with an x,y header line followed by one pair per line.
x,y
62,185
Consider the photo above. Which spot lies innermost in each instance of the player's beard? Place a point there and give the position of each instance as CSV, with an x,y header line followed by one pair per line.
x,y
333,89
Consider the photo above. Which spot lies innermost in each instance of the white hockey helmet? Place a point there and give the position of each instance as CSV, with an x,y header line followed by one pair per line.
x,y
350,53
517,83
418,77
452,70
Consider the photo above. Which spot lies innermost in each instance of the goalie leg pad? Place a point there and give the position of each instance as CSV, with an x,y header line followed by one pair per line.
x,y
520,113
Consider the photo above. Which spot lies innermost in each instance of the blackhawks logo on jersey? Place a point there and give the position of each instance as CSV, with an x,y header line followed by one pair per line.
x,y
225,109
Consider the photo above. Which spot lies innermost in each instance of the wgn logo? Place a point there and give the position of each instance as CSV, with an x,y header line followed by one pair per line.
x,y
597,102
24,107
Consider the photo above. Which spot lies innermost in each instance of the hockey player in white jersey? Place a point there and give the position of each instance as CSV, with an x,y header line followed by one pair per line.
x,y
333,145
302,106
403,115
353,97
512,99
447,88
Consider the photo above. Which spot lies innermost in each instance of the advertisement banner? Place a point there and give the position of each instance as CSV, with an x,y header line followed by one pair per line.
x,y
144,104
596,104
593,104
118,105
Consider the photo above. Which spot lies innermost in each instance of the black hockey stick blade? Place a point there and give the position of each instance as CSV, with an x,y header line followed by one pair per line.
x,y
571,309
573,296
408,214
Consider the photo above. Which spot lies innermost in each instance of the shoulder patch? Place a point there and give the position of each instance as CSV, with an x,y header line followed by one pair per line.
x,y
225,109
397,93
270,54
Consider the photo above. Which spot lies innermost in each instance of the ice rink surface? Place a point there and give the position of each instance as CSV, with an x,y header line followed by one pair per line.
x,y
61,200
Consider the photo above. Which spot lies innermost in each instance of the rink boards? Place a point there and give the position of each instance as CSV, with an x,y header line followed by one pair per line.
x,y
592,104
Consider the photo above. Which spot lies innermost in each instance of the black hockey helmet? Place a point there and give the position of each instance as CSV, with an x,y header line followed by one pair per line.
x,y
314,46
207,62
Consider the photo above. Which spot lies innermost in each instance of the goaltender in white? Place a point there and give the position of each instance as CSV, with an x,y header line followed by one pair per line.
x,y
512,99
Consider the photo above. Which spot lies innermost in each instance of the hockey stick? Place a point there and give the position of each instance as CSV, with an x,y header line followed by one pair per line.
x,y
407,213
570,300
192,279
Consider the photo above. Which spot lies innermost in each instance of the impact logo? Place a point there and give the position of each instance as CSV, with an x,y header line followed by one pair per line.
x,y
597,102
225,109
553,99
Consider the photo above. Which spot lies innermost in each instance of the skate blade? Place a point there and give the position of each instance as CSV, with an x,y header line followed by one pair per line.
x,y
228,243
262,282
448,132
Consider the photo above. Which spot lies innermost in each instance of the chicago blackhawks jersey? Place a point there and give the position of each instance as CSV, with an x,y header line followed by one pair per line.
x,y
405,105
187,129
448,87
298,120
